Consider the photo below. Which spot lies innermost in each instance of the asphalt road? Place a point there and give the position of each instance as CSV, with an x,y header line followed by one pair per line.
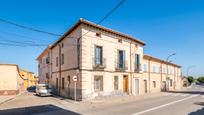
x,y
187,102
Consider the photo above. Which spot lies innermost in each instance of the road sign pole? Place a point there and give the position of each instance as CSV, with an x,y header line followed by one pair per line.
x,y
75,91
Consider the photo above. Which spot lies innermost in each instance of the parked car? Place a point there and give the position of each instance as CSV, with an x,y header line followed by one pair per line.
x,y
31,89
43,90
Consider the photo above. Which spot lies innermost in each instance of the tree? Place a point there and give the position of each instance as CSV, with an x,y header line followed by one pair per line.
x,y
190,79
201,79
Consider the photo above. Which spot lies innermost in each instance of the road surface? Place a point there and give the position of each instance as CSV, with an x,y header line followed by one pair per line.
x,y
187,102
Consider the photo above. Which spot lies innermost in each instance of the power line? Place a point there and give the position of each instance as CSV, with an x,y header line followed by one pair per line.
x,y
45,32
107,15
114,8
22,36
28,28
21,42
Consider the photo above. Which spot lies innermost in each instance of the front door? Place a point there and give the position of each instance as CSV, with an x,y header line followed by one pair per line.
x,y
164,86
125,83
136,86
145,86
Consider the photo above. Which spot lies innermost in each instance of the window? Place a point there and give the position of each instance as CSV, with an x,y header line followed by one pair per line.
x,y
62,83
120,40
154,84
98,56
145,67
98,34
121,59
62,59
68,79
154,69
98,83
115,82
56,83
47,77
164,70
56,61
137,62
62,45
47,60
171,82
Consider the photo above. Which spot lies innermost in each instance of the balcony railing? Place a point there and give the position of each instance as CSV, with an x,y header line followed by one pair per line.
x,y
121,66
99,65
138,68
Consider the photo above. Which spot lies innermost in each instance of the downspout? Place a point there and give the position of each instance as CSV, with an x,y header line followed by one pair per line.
x,y
131,68
161,75
174,78
149,73
59,68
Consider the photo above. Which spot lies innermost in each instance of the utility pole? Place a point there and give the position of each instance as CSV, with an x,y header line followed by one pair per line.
x,y
167,71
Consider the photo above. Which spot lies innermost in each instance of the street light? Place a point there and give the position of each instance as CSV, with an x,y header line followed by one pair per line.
x,y
167,60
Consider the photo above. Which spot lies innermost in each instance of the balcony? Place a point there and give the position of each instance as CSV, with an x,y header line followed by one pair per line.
x,y
99,65
122,66
137,68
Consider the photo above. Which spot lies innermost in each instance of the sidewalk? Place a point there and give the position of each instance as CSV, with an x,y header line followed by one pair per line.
x,y
4,99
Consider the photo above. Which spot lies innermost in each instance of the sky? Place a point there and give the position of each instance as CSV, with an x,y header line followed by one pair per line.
x,y
166,26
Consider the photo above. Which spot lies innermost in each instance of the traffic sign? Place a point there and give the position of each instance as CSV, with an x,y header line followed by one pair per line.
x,y
74,78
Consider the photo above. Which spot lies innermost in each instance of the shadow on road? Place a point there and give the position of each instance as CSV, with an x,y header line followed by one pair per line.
x,y
188,92
40,110
199,111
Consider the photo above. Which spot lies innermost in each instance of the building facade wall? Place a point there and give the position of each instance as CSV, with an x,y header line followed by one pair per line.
x,y
9,80
110,46
78,59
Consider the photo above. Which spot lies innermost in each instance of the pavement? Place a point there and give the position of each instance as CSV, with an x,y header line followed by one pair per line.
x,y
189,101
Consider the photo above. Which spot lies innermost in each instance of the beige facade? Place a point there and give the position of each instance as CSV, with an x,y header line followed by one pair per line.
x,y
106,62
155,72
11,83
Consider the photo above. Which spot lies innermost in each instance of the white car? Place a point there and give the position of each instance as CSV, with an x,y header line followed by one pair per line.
x,y
43,90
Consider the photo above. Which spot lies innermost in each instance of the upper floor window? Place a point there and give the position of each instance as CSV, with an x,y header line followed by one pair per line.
x,y
120,40
121,58
62,59
137,62
98,55
47,60
56,61
164,70
145,67
154,68
98,34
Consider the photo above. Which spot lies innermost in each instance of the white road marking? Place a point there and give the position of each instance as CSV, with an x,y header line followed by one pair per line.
x,y
203,96
184,95
166,94
177,94
161,106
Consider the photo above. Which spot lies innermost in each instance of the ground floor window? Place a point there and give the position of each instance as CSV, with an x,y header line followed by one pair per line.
x,y
154,84
171,82
98,83
115,82
56,82
62,83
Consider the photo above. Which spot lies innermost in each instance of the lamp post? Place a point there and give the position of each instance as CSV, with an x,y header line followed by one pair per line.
x,y
167,71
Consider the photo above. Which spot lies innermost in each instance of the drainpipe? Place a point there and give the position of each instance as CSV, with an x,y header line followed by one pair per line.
x,y
149,74
131,69
59,67
161,76
174,77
